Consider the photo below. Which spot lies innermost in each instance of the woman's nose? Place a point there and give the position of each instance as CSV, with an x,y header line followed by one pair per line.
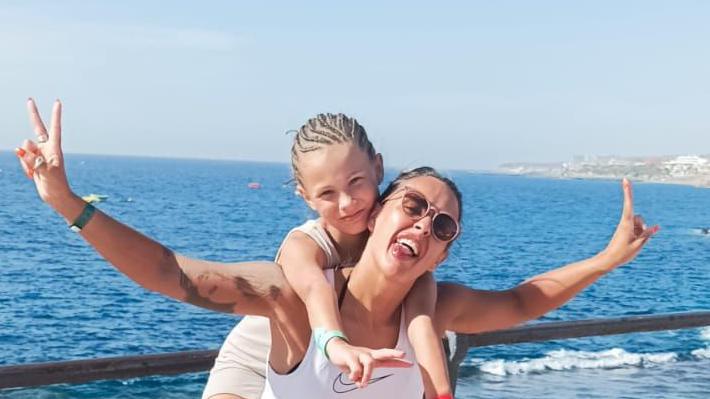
x,y
424,225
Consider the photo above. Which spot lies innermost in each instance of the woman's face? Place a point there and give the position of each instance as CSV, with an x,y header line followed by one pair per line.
x,y
339,182
405,248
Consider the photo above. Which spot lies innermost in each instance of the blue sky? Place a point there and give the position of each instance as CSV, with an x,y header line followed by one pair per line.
x,y
464,85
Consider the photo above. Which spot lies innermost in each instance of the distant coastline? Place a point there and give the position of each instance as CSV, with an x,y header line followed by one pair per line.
x,y
691,170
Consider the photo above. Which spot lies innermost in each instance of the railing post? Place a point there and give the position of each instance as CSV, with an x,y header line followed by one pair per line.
x,y
456,348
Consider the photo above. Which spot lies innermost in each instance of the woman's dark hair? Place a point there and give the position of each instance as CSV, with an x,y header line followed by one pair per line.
x,y
418,172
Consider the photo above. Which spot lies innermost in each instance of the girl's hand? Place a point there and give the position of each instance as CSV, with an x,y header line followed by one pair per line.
x,y
43,161
631,234
358,363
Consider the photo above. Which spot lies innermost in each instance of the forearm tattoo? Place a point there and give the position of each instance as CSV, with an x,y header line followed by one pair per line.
x,y
206,300
194,297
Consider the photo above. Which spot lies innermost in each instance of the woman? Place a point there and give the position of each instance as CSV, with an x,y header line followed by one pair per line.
x,y
410,234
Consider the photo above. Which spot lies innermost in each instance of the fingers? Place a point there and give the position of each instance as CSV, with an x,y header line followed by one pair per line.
x,y
394,363
36,121
56,126
644,236
390,358
28,156
355,370
639,225
23,163
368,365
628,211
649,232
384,354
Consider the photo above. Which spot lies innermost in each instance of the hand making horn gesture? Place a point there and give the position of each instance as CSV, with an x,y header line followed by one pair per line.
x,y
43,161
631,234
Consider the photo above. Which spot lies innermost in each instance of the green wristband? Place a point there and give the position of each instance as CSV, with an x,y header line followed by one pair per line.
x,y
322,337
83,218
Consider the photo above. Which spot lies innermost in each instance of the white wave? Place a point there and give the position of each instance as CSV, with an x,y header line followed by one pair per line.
x,y
702,353
568,360
705,333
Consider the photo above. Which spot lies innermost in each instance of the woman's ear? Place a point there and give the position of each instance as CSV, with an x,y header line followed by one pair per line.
x,y
373,215
379,168
306,198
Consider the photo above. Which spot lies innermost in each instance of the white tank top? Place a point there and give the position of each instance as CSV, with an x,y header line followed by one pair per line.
x,y
316,377
251,338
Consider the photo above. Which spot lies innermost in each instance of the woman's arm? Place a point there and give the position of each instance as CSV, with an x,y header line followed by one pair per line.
x,y
419,309
465,310
241,288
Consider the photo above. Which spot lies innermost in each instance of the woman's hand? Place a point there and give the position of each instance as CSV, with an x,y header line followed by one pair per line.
x,y
43,161
358,363
631,234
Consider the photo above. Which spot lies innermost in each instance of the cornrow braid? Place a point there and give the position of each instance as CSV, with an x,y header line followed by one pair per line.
x,y
328,129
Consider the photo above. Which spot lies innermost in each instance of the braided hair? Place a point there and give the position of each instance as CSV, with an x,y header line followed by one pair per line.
x,y
328,129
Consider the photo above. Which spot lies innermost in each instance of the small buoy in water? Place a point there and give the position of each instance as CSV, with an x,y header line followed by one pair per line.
x,y
93,198
254,185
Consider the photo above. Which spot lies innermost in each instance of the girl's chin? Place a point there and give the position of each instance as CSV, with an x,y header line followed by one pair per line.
x,y
353,228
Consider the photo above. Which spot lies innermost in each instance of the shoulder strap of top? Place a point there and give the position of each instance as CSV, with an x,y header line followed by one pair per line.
x,y
315,231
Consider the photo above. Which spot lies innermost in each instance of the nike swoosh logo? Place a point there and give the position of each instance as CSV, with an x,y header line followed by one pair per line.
x,y
341,386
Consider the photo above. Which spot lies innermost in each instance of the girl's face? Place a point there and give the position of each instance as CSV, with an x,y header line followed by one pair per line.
x,y
405,248
339,182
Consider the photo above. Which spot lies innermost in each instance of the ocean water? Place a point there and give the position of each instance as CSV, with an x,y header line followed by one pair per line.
x,y
60,301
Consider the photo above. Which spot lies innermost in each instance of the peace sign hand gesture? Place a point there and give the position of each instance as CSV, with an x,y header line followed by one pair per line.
x,y
631,234
43,161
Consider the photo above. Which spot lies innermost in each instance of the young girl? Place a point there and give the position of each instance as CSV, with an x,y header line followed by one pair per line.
x,y
337,172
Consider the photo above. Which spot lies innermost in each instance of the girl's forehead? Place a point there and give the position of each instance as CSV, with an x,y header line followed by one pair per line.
x,y
332,162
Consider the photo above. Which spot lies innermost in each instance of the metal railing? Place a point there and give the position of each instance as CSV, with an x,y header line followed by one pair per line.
x,y
79,371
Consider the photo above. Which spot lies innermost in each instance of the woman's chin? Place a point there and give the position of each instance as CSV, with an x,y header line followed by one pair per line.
x,y
394,265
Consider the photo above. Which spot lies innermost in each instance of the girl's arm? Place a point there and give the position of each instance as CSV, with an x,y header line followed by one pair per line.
x,y
462,309
303,262
419,308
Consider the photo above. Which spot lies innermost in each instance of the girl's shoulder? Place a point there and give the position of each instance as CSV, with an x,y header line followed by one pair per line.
x,y
310,238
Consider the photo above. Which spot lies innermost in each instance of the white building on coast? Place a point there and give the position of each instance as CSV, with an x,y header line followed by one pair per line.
x,y
687,165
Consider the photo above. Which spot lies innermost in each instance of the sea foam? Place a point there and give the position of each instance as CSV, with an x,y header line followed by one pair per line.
x,y
702,353
558,360
705,333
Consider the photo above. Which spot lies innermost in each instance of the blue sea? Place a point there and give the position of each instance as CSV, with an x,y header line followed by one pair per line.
x,y
59,300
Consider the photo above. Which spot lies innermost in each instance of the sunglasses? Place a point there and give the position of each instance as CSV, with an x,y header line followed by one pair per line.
x,y
444,227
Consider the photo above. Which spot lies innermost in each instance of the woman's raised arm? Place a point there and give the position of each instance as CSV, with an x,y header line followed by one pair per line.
x,y
465,310
243,288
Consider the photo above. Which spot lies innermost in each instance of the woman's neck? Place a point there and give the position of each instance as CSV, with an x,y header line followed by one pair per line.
x,y
372,298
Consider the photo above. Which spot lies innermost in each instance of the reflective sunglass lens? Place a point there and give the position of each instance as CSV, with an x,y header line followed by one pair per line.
x,y
414,205
444,227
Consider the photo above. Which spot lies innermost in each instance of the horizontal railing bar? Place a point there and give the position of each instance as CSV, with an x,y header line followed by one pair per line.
x,y
79,371
121,367
588,328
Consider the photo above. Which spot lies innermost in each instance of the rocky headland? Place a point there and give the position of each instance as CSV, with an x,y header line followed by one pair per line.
x,y
691,170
